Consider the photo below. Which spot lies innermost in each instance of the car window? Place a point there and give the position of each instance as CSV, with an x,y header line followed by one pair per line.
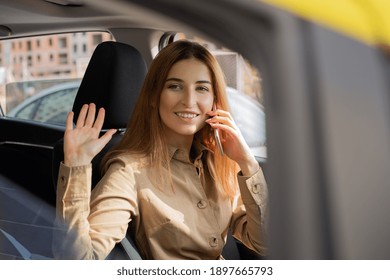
x,y
40,76
244,91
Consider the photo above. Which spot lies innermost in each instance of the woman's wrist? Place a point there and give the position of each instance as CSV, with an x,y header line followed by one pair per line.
x,y
76,161
249,167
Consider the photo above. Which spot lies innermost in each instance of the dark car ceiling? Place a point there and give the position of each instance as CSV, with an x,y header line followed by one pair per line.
x,y
26,17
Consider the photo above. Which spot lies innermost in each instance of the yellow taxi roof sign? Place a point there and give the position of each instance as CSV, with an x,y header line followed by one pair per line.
x,y
366,20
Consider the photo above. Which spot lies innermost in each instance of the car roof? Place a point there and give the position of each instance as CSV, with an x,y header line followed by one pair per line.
x,y
144,28
365,20
26,17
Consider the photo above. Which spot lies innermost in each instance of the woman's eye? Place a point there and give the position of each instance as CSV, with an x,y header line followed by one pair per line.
x,y
203,89
174,86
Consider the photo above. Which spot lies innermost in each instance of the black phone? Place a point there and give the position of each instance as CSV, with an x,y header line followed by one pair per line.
x,y
216,135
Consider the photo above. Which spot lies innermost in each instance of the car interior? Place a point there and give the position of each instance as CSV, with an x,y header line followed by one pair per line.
x,y
114,73
325,93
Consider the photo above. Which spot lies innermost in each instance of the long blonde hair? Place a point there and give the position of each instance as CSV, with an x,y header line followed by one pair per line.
x,y
144,131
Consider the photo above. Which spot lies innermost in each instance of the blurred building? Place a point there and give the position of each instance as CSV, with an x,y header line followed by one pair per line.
x,y
56,56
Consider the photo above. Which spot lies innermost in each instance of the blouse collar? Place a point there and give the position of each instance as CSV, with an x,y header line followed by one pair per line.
x,y
183,155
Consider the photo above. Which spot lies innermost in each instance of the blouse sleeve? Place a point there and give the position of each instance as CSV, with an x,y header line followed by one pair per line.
x,y
250,212
90,223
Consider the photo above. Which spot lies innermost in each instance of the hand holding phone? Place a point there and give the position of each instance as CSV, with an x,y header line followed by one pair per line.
x,y
216,135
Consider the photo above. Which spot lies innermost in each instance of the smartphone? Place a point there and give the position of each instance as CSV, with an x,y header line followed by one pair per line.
x,y
216,135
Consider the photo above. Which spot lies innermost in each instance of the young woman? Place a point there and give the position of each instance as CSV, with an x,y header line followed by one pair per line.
x,y
166,180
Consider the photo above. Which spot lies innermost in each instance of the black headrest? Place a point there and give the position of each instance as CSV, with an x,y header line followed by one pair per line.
x,y
113,80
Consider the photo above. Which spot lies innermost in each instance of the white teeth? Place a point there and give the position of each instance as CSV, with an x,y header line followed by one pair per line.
x,y
186,115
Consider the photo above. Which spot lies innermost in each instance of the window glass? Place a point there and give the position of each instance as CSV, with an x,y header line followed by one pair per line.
x,y
39,76
27,111
243,87
53,108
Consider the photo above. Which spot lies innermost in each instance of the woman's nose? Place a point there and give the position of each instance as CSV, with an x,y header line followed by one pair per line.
x,y
189,97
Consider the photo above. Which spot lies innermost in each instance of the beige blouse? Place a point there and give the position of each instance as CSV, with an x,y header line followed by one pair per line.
x,y
188,220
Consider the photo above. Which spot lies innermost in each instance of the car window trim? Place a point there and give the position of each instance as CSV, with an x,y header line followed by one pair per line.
x,y
26,144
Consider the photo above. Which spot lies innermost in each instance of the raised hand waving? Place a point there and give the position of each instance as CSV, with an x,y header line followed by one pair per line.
x,y
82,143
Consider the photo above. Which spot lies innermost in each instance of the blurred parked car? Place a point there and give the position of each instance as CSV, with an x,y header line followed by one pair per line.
x,y
49,106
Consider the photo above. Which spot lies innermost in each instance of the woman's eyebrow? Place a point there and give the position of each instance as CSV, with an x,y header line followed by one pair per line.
x,y
203,82
174,79
180,80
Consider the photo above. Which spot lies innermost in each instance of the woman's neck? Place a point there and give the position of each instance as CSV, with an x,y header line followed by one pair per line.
x,y
184,142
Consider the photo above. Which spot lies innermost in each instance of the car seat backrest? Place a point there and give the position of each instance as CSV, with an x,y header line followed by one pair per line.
x,y
113,80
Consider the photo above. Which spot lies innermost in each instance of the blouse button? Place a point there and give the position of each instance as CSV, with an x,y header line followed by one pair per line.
x,y
63,181
213,241
201,204
256,188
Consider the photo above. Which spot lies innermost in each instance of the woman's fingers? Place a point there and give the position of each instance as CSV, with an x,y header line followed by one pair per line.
x,y
99,119
223,121
69,121
107,136
225,128
221,117
81,119
87,117
89,121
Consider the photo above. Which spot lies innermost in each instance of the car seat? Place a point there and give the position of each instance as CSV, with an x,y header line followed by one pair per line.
x,y
113,80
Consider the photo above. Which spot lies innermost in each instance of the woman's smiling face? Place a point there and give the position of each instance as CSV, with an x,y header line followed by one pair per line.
x,y
185,99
